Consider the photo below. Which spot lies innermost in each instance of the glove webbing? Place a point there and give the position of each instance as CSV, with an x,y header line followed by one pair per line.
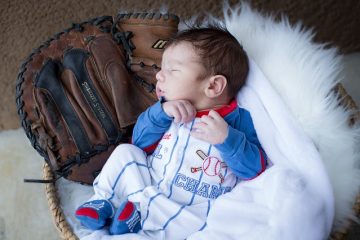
x,y
124,37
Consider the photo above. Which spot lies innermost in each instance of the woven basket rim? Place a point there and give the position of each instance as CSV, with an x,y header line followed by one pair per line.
x,y
53,200
67,233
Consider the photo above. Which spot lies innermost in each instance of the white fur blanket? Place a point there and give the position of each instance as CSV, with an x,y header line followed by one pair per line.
x,y
302,129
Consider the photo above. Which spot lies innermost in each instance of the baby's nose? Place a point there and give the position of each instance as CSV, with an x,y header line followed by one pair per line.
x,y
159,76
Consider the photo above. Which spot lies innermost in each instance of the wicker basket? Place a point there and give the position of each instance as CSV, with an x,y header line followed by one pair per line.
x,y
66,232
60,222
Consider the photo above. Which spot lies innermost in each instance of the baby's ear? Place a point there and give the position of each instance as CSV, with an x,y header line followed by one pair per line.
x,y
215,86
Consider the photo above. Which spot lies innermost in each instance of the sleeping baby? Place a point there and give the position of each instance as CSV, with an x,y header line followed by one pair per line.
x,y
187,149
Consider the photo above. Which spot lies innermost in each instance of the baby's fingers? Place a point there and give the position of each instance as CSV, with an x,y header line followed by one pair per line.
x,y
176,114
190,109
199,126
198,133
214,115
185,117
187,112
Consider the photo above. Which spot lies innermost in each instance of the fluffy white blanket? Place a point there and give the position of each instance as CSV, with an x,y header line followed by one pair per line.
x,y
304,74
303,130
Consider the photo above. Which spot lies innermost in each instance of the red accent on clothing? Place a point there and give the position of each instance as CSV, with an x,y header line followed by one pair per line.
x,y
151,148
263,166
263,162
148,149
167,136
87,212
223,111
127,211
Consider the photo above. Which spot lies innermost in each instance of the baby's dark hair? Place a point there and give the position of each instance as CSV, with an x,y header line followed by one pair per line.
x,y
220,52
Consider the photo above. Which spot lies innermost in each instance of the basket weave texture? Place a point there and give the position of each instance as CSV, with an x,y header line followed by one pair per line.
x,y
58,217
67,233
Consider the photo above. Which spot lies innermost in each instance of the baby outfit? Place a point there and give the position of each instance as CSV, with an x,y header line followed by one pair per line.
x,y
166,180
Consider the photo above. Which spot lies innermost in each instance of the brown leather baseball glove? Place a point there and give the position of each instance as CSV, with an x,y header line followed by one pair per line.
x,y
79,94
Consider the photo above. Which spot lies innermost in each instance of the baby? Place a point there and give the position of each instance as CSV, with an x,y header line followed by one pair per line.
x,y
189,148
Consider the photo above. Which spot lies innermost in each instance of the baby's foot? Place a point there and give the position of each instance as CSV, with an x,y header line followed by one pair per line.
x,y
126,220
94,214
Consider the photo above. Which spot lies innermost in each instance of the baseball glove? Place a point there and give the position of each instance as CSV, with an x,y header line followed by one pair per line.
x,y
79,94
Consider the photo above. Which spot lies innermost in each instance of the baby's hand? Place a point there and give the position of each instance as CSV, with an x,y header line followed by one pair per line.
x,y
181,110
212,128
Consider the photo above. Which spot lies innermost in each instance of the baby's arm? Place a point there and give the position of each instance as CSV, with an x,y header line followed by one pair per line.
x,y
242,150
238,144
150,127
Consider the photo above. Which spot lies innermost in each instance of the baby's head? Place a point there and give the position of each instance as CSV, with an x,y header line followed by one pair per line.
x,y
206,66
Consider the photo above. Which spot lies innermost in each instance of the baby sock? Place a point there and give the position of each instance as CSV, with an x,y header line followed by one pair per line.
x,y
126,219
94,214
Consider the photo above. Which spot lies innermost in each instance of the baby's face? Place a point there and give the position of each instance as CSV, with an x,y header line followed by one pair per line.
x,y
179,75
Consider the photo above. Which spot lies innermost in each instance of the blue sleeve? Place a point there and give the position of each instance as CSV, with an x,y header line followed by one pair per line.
x,y
241,150
150,127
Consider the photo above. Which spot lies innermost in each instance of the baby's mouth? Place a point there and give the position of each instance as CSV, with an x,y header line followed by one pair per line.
x,y
159,92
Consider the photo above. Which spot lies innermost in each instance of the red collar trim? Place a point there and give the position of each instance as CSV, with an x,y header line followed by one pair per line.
x,y
223,110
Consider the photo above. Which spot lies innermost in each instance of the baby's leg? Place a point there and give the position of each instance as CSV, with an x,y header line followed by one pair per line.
x,y
124,173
